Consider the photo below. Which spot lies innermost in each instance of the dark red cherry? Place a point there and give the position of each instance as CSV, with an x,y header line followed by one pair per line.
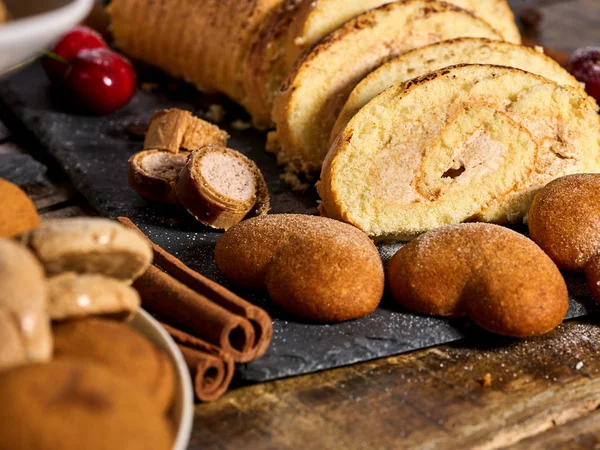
x,y
100,81
584,64
78,39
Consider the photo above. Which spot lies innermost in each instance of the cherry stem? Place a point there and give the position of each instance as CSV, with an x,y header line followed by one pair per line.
x,y
47,53
54,56
18,66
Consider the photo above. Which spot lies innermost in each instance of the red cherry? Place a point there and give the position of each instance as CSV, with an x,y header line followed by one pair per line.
x,y
78,39
100,80
584,64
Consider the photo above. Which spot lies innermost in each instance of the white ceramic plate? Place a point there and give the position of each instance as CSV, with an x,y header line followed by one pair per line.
x,y
182,412
35,25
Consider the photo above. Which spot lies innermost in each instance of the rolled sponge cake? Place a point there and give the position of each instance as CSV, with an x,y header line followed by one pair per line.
x,y
245,49
424,60
313,94
313,20
297,26
203,42
469,142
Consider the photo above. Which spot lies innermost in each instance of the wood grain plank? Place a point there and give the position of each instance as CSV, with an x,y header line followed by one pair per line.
x,y
426,399
582,433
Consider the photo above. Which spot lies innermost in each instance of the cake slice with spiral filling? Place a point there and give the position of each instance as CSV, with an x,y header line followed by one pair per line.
x,y
313,94
424,60
315,19
298,25
469,142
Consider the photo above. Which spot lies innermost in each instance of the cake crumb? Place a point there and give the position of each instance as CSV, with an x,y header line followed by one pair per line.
x,y
299,41
272,145
215,113
579,365
293,181
137,130
241,125
486,381
149,86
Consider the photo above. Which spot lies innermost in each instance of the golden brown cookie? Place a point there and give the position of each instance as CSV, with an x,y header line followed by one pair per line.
x,y
328,279
18,213
121,350
313,267
76,296
564,220
90,245
74,405
498,277
24,296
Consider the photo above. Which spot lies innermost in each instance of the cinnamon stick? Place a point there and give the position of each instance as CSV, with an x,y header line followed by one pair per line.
x,y
260,320
211,368
211,378
190,311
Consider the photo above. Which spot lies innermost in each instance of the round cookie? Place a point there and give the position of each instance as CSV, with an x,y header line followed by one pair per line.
x,y
72,405
121,350
564,220
316,268
18,211
501,279
327,279
73,295
91,245
244,251
24,296
426,258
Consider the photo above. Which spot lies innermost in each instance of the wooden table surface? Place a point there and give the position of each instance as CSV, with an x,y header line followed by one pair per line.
x,y
485,392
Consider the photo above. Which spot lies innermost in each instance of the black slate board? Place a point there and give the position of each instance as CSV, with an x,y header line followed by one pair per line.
x,y
94,152
22,169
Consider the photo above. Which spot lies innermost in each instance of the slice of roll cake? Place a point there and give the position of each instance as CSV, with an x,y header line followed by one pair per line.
x,y
470,142
430,58
265,66
313,94
314,20
299,25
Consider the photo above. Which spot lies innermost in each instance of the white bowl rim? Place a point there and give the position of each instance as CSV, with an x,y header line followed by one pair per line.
x,y
187,417
13,30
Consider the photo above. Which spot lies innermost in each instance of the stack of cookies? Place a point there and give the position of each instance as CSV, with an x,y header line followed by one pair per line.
x,y
66,355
